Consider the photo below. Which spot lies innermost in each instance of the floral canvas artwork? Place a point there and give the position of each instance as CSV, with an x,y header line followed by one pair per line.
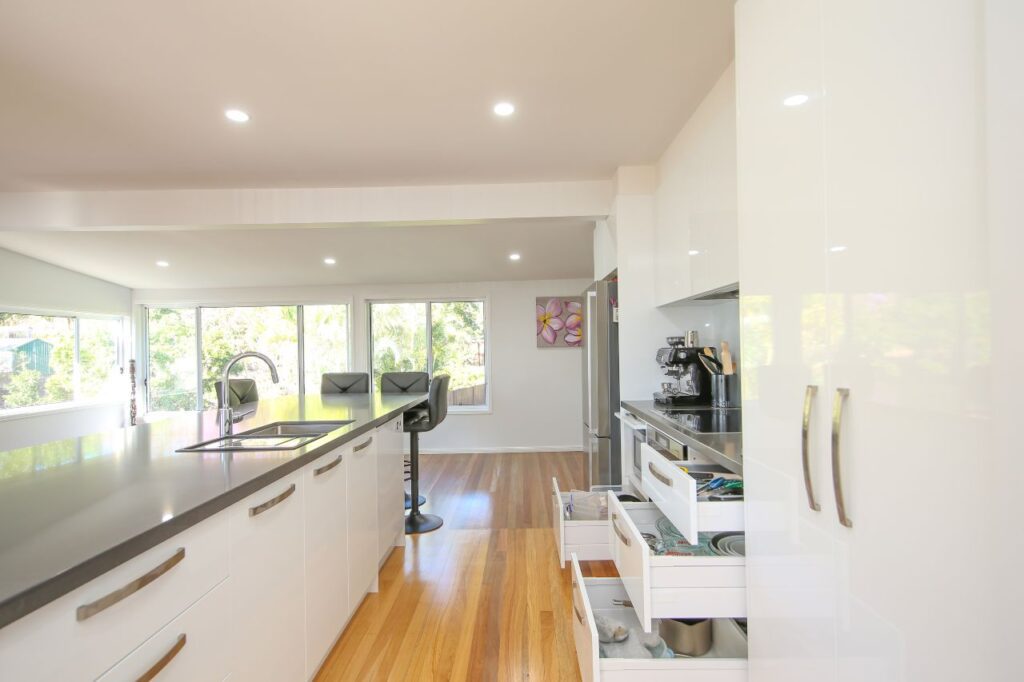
x,y
559,321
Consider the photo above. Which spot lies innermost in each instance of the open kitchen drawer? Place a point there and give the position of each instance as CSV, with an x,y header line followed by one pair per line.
x,y
675,492
588,539
665,586
725,662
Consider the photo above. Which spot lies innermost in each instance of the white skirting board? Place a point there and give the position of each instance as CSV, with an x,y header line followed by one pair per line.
x,y
498,450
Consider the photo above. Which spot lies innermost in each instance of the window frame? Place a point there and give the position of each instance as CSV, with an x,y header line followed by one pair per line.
x,y
487,407
76,403
197,308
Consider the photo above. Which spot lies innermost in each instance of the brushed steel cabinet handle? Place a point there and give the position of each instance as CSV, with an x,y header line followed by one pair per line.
x,y
615,527
164,660
363,446
327,467
658,475
575,588
837,431
272,502
579,616
89,610
805,446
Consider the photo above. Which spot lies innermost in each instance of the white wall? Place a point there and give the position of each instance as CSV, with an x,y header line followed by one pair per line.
x,y
32,285
535,393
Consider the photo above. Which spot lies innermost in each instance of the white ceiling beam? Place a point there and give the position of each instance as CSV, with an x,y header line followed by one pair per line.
x,y
161,209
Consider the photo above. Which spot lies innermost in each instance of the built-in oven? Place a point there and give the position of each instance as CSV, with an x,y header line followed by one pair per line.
x,y
634,434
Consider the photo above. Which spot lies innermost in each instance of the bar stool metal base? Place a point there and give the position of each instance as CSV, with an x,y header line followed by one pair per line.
x,y
422,523
408,500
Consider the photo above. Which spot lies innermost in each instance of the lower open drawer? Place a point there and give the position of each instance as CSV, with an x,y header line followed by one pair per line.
x,y
587,539
725,662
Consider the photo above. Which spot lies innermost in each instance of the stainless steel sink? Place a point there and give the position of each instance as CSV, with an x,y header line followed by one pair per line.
x,y
296,428
276,436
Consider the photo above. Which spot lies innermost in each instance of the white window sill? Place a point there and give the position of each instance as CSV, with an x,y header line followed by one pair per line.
x,y
58,408
467,409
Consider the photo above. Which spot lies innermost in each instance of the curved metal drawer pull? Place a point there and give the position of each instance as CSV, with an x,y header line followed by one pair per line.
x,y
658,475
167,658
327,467
618,532
363,446
837,431
91,609
577,612
575,588
805,445
260,508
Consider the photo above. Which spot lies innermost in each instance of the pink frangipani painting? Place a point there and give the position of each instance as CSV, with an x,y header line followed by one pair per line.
x,y
559,321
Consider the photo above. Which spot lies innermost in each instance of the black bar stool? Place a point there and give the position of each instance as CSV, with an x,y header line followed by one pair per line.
x,y
406,382
243,391
418,421
345,382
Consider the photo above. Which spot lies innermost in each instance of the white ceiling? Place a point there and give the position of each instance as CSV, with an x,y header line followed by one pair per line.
x,y
293,256
108,94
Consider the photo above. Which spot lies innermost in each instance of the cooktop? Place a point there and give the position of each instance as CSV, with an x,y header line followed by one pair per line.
x,y
707,420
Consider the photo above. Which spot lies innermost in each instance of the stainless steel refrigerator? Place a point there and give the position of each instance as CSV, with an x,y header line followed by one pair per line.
x,y
601,386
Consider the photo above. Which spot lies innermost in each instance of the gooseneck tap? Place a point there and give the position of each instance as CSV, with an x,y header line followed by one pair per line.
x,y
225,415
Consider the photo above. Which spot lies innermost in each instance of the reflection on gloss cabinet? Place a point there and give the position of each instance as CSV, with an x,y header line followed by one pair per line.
x,y
865,329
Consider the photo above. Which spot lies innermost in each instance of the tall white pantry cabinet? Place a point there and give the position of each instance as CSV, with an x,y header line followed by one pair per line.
x,y
873,542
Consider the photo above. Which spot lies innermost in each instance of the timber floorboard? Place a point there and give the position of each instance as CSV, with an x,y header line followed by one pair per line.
x,y
481,598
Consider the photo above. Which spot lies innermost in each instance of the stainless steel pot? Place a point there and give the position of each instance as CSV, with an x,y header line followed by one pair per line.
x,y
686,636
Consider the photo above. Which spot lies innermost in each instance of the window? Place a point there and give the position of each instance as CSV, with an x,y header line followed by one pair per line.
x,y
175,372
53,359
440,337
325,340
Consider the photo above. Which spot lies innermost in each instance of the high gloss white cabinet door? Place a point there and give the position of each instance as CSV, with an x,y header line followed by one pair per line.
x,y
326,560
908,278
391,487
783,317
267,606
362,519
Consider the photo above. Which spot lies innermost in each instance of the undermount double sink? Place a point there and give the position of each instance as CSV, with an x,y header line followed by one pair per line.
x,y
275,436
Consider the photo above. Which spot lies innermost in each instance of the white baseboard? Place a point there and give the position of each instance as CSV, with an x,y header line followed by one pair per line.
x,y
499,450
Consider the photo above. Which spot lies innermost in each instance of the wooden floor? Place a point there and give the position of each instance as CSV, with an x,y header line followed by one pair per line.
x,y
483,597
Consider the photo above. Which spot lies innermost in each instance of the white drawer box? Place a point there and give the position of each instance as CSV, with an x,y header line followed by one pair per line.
x,y
675,493
671,586
73,638
725,662
191,648
587,539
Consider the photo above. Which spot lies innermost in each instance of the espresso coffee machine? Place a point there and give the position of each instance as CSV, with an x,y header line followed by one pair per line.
x,y
692,385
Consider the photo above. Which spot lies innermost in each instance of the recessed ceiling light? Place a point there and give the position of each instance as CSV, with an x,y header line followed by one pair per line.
x,y
795,100
162,264
837,249
693,252
514,256
237,115
504,108
329,261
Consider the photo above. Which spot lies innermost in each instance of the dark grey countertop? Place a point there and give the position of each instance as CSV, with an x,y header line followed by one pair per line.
x,y
73,509
724,448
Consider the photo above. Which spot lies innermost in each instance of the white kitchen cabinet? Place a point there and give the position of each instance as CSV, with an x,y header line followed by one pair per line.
x,y
726,661
390,439
267,619
670,586
193,647
362,519
864,263
99,623
587,539
326,554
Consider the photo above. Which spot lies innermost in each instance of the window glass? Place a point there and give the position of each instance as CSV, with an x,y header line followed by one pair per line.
x,y
458,349
99,368
325,336
399,338
172,359
272,330
37,360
